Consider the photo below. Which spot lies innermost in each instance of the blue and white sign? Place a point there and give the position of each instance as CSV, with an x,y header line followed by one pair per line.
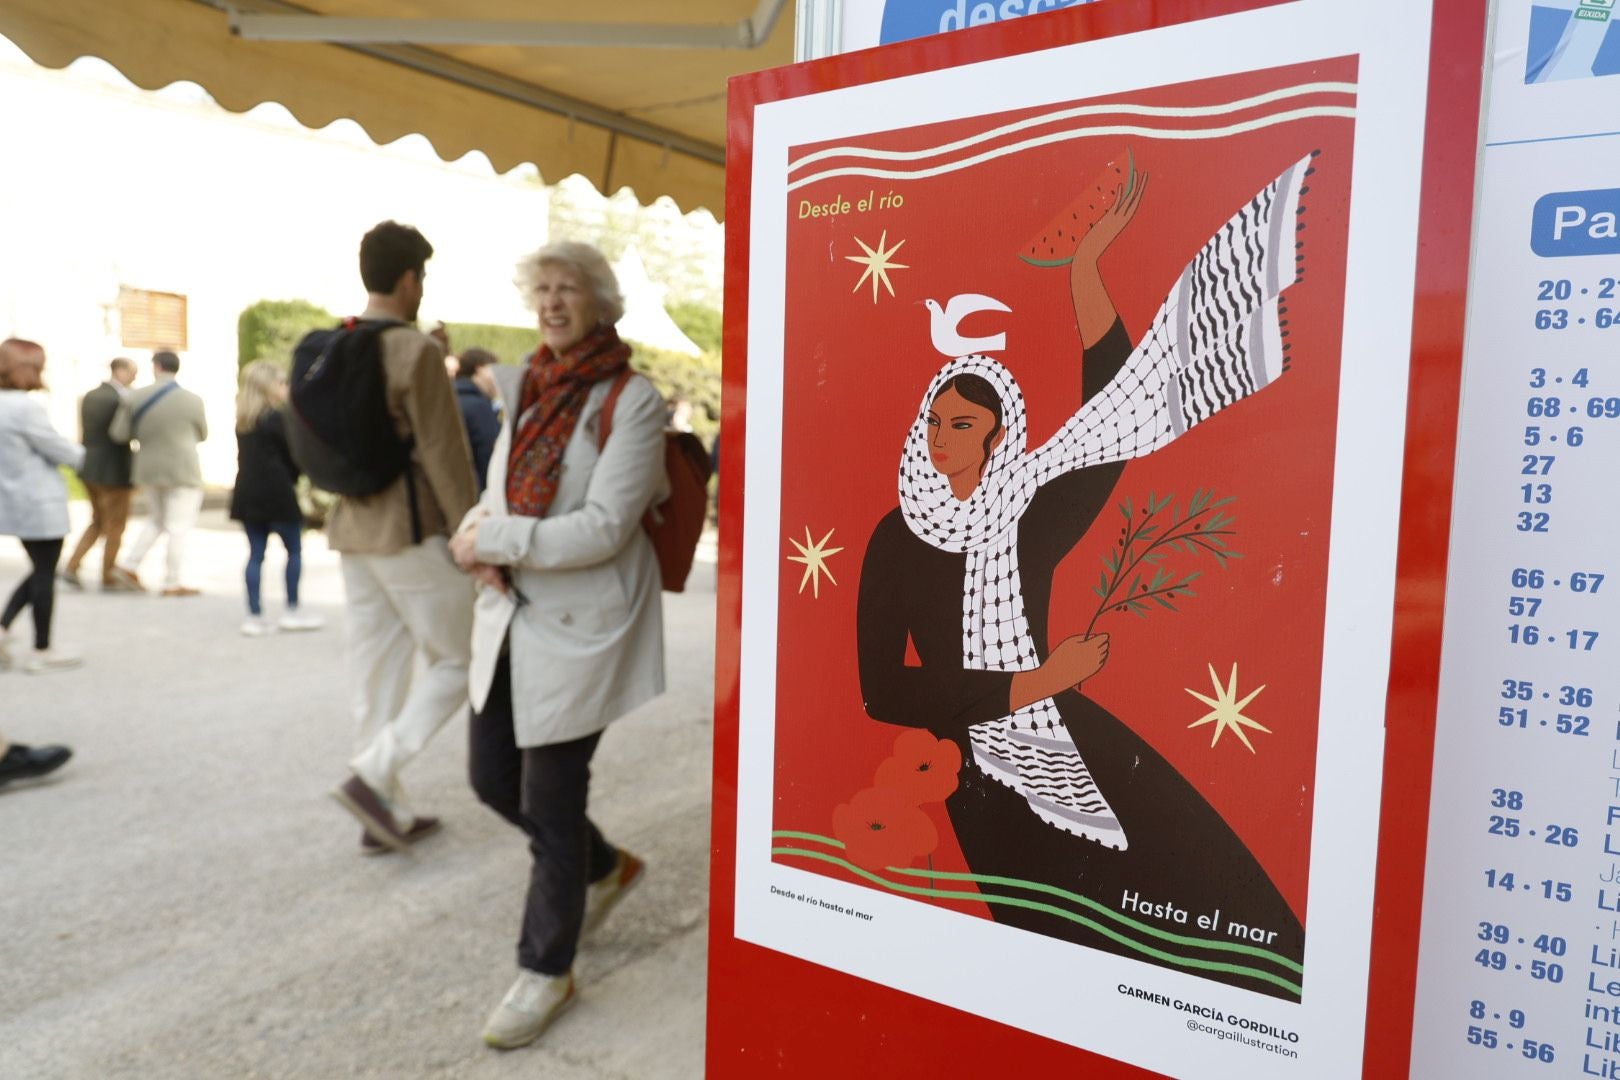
x,y
1519,975
1576,223
906,19
1572,39
866,23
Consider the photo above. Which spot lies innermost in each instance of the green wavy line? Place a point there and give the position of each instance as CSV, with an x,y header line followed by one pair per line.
x,y
1035,905
788,834
1084,901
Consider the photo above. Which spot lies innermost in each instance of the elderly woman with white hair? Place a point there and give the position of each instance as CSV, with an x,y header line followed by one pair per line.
x,y
568,635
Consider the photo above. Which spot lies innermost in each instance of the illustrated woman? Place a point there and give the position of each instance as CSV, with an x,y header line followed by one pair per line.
x,y
1061,792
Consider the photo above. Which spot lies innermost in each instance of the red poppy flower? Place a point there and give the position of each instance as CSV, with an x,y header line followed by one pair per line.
x,y
923,769
880,829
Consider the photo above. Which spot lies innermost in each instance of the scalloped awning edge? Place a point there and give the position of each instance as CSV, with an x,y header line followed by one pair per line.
x,y
154,43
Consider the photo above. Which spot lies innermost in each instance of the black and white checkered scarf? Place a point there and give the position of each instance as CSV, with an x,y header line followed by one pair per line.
x,y
1216,339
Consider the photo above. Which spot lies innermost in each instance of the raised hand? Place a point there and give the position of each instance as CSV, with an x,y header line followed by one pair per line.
x,y
1113,221
1093,308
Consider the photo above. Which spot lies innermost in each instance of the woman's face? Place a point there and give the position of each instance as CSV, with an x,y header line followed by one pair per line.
x,y
278,392
567,307
957,429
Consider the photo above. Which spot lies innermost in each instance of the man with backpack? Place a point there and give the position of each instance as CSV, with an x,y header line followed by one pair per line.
x,y
374,420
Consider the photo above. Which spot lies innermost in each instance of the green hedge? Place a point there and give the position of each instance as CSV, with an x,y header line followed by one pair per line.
x,y
675,375
510,344
269,329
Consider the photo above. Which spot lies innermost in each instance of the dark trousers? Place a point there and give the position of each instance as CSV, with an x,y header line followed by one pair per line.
x,y
542,790
258,535
109,513
37,590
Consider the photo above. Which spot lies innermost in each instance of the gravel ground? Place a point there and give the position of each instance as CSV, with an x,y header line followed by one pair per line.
x,y
184,900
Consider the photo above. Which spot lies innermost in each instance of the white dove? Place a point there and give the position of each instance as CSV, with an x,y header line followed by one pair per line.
x,y
943,322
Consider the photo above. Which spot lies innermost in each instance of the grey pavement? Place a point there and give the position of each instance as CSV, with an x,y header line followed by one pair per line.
x,y
184,900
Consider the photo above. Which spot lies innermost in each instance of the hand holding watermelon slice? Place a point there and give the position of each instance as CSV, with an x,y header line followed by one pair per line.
x,y
1093,219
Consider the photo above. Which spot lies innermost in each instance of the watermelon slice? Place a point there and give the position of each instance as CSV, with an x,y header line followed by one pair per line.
x,y
1055,245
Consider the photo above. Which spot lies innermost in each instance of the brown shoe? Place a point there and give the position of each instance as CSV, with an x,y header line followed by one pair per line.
x,y
356,796
120,580
423,826
181,590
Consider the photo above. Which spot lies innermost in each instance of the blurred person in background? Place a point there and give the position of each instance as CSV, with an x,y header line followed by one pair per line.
x,y
33,500
440,333
569,624
476,394
265,497
680,415
167,421
107,480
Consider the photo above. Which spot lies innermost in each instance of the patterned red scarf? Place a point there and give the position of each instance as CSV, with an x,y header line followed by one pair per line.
x,y
554,392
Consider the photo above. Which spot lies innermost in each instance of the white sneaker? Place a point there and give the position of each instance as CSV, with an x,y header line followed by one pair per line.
x,y
39,663
528,1008
296,620
5,650
257,626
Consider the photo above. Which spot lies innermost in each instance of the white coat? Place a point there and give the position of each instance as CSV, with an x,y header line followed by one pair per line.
x,y
589,645
33,495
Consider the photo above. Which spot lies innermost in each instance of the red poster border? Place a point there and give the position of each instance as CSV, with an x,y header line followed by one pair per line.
x,y
772,1014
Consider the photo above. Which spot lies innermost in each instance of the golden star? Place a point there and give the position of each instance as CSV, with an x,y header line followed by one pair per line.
x,y
814,555
878,264
1228,714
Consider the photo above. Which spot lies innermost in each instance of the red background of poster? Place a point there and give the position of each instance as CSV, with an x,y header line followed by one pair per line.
x,y
771,1014
855,372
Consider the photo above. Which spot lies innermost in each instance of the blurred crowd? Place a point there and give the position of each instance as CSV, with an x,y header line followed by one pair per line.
x,y
495,542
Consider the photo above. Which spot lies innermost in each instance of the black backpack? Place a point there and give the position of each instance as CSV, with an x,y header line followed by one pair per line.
x,y
342,435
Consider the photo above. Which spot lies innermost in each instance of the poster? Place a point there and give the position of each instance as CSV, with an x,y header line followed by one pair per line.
x,y
1074,444
1154,337
1519,972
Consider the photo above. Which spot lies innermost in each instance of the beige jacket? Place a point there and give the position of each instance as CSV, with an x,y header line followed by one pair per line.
x,y
424,406
589,645
167,435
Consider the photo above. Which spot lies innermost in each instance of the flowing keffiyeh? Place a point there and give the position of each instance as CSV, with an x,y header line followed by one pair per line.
x,y
1215,340
554,392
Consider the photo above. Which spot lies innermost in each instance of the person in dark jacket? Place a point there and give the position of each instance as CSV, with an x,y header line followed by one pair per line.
x,y
475,393
106,476
265,499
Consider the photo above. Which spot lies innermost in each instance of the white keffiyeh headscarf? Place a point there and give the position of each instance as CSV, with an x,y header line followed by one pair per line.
x,y
1215,340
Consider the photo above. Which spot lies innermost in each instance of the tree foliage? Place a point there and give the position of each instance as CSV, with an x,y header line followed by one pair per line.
x,y
269,329
510,344
698,321
697,379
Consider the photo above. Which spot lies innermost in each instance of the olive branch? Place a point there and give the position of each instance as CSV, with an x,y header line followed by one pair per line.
x,y
1146,540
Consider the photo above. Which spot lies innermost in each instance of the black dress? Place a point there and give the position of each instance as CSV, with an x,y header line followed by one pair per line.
x,y
265,474
1180,851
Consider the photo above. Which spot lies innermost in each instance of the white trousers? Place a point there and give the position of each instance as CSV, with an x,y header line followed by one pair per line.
x,y
409,621
172,511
